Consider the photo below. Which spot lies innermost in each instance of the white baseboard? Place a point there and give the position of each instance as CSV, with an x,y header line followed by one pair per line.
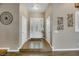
x,y
5,48
13,50
8,49
75,49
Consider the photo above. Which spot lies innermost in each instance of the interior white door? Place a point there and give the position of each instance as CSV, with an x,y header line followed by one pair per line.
x,y
24,29
36,28
48,29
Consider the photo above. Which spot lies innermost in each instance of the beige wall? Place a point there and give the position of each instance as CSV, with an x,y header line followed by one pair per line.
x,y
48,13
37,15
23,13
9,34
68,38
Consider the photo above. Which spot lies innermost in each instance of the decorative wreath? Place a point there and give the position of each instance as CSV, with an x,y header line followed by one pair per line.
x,y
6,18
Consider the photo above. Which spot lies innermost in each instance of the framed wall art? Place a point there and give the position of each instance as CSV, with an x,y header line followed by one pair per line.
x,y
70,20
6,18
60,25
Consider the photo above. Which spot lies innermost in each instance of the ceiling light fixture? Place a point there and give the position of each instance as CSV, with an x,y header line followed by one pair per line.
x,y
36,7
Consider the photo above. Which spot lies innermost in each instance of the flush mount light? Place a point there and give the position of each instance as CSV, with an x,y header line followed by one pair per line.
x,y
36,7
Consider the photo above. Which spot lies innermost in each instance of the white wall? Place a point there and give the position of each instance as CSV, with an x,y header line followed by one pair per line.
x,y
23,23
36,27
48,29
24,29
9,34
68,38
48,18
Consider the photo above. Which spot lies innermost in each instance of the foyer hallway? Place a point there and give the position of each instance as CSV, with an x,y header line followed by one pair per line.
x,y
44,50
36,36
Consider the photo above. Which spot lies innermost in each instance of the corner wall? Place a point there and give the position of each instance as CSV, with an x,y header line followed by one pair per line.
x,y
23,23
48,13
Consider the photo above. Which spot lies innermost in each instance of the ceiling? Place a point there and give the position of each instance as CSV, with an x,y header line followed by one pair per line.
x,y
36,7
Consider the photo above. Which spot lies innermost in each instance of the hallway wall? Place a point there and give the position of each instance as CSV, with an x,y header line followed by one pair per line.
x,y
48,17
68,38
9,34
23,23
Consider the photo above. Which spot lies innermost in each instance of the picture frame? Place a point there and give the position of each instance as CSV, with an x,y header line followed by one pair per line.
x,y
60,25
70,20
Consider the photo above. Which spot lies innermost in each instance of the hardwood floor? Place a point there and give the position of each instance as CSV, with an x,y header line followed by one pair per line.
x,y
45,50
43,53
45,45
36,53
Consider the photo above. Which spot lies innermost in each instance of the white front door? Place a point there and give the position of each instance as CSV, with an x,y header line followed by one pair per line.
x,y
36,28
